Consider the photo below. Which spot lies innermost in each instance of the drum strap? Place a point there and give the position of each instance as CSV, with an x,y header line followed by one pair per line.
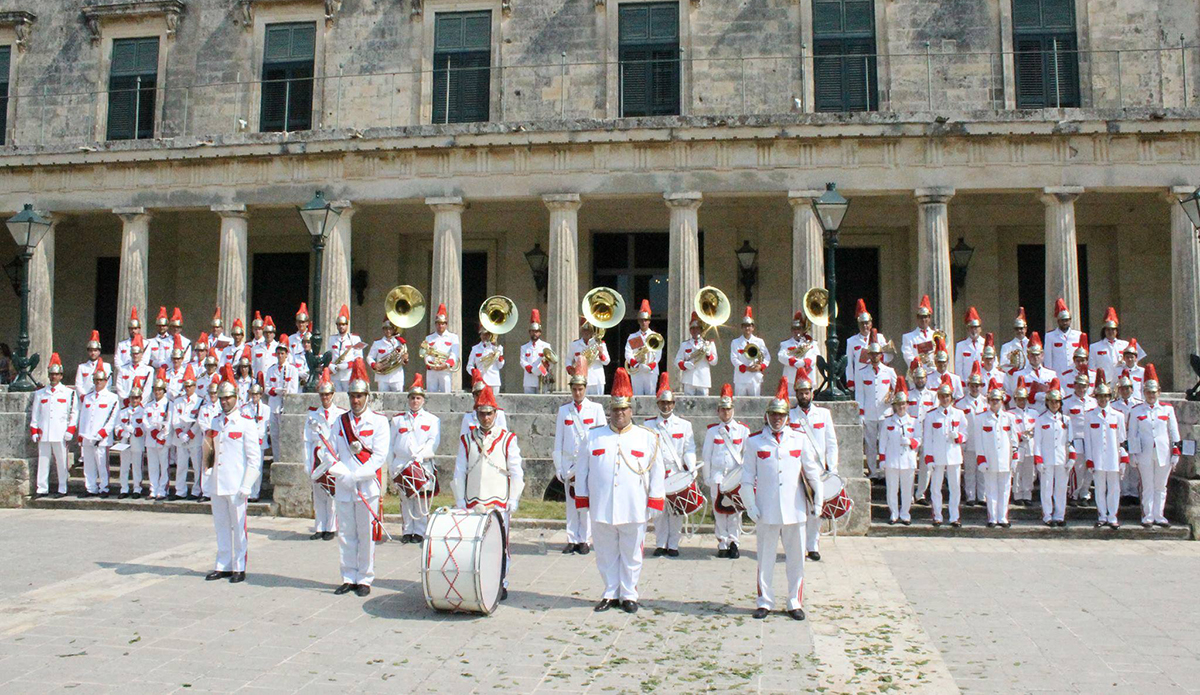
x,y
733,453
663,434
803,420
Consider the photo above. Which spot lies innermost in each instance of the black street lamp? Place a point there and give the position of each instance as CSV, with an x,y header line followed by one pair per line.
x,y
539,265
1191,207
320,217
960,260
28,229
747,258
830,209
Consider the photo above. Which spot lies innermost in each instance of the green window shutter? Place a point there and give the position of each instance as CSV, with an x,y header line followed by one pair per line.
x,y
1031,83
1027,14
289,51
827,18
844,30
132,90
859,17
5,68
286,43
462,67
1058,14
648,34
633,26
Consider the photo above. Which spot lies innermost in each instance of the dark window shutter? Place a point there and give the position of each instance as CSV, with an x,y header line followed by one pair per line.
x,y
649,57
859,73
665,81
844,30
462,67
1027,14
827,18
133,77
635,82
1058,14
289,51
1031,85
5,68
860,17
664,22
634,24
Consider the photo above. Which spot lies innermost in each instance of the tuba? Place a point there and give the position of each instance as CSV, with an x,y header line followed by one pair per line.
x,y
498,314
404,306
817,308
754,354
604,308
712,306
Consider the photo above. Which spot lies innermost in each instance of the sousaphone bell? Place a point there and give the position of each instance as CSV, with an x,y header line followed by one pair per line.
x,y
498,314
404,306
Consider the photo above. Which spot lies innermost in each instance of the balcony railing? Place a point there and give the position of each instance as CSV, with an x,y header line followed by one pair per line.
x,y
928,81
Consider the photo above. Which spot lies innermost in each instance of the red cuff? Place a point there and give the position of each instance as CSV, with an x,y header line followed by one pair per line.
x,y
1038,460
529,369
655,503
960,439
581,503
1071,455
914,444
450,362
632,362
652,365
791,361
981,459
1090,465
929,458
882,457
681,367
71,430
1175,451
1125,458
850,383
33,431
742,368
102,434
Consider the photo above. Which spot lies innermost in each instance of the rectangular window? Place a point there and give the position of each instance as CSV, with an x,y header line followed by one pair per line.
x,y
1047,54
5,67
648,35
462,60
287,77
132,87
844,58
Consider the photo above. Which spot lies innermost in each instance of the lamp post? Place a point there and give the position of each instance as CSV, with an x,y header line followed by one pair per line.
x,y
830,209
960,260
28,229
539,265
320,217
1191,207
747,258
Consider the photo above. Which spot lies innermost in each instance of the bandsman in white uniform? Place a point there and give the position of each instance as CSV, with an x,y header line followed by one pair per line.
x,y
83,373
1125,402
898,445
488,357
1025,419
1018,344
748,370
296,342
941,368
175,330
1155,444
970,349
996,444
1079,364
873,393
244,375
233,460
815,423
320,423
534,366
942,439
158,435
441,369
640,360
470,422
488,473
135,369
987,361
1062,341
972,405
573,425
620,483
263,352
175,370
121,357
416,434
856,345
131,432
1107,354
1077,406
209,374
800,350
1130,357
300,362
257,411
199,356
1104,437
724,445
594,352
232,351
389,346
1054,455
256,330
922,398
97,421
158,348
209,410
781,480
53,422
678,451
280,379
347,347
917,344
1036,376
187,438
695,358
218,339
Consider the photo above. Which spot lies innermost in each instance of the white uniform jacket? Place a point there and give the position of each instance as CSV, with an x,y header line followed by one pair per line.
x,y
203,379
83,378
1126,407
724,450
1154,434
874,391
446,343
899,440
696,372
1076,410
382,348
129,374
966,353
596,366
319,420
487,470
260,414
1106,355
1025,421
491,372
621,478
1037,381
280,381
918,343
1020,345
123,356
636,366
262,355
1103,434
678,448
943,434
98,417
972,407
820,426
295,345
54,414
184,413
532,368
232,353
935,380
780,477
362,444
995,441
1052,440
415,437
470,422
1060,347
741,363
571,431
920,402
855,345
158,422
131,425
343,344
237,459
792,358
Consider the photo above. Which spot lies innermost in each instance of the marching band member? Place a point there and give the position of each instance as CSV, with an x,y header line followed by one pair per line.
x,y
131,431
264,351
488,357
620,483
232,460
158,431
996,443
695,358
470,422
233,350
347,347
256,331
121,357
320,422
186,438
533,356
1018,344
415,439
97,421
296,342
1106,354
941,367
209,374
898,446
856,360
487,471
209,410
1125,402
942,437
360,440
300,360
175,370
1037,377
389,344
439,372
160,345
640,360
748,373
917,344
678,451
987,361
260,414
922,398
199,355
972,405
134,370
815,423
873,391
574,422
1155,444
970,349
83,373
1054,456
1025,419
244,375
1062,341
1103,437
280,379
52,425
800,350
1079,364
597,351
781,480
1077,406
724,444
1129,365
175,329
218,340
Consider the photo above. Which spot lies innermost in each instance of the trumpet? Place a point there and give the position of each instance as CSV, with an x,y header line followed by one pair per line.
x,y
435,357
654,343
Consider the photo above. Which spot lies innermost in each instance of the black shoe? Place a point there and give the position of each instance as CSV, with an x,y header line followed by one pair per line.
x,y
328,535
503,594
955,524
1101,524
991,524
722,552
1062,524
192,497
172,497
365,589
569,549
891,522
123,495
136,495
759,613
659,552
1163,524
1004,524
629,606
605,604
906,522
1072,502
316,536
814,556
343,589
58,495
582,548
672,553
936,523
237,578
217,574
1114,525
1051,524
1147,524
734,551
104,495
417,538
796,613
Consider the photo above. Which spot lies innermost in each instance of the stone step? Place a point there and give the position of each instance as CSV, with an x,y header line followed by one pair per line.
x,y
1127,514
1030,530
76,484
259,508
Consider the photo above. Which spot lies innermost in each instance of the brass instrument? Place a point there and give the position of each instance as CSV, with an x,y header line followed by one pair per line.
x,y
488,358
549,356
404,306
392,361
818,310
592,349
927,358
654,343
754,354
712,306
1016,359
436,358
498,314
603,308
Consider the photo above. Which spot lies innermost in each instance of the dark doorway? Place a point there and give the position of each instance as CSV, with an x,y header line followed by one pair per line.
x,y
280,283
474,291
858,278
104,314
1031,287
636,265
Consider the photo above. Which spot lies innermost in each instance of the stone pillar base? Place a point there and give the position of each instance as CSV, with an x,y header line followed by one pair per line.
x,y
16,482
1183,503
291,490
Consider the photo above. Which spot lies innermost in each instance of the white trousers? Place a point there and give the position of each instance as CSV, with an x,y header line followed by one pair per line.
x,y
156,470
644,383
747,384
131,463
999,486
229,520
871,446
812,530
1054,491
793,548
415,513
341,384
354,540
95,467
727,526
689,390
273,424
59,451
187,457
1083,479
579,521
973,485
389,386
595,389
532,389
1108,495
668,528
899,492
1154,491
950,474
1023,479
324,515
619,558
256,489
438,381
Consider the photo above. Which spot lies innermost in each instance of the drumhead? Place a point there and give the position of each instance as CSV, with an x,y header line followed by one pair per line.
x,y
678,482
831,485
489,562
732,479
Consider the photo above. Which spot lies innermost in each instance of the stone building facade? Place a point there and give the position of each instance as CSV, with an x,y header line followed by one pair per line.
x,y
171,141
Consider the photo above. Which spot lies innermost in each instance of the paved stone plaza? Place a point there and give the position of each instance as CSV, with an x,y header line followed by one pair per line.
x,y
115,601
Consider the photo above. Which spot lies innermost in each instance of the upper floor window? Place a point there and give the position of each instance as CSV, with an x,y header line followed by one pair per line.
x,y
287,78
1047,53
648,35
844,58
5,67
132,88
462,60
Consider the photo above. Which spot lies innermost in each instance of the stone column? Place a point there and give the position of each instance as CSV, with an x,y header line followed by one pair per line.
x,y
41,302
1185,291
684,272
135,272
1062,262
446,278
562,295
231,263
933,256
335,271
808,254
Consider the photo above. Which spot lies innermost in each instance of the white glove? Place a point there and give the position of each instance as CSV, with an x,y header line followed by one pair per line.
x,y
37,438
241,497
752,513
512,506
67,436
460,504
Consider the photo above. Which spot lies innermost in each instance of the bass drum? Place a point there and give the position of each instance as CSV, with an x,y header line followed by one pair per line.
x,y
462,561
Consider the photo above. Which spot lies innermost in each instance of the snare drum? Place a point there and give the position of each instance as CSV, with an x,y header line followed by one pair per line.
x,y
835,502
326,483
729,493
413,480
683,496
462,561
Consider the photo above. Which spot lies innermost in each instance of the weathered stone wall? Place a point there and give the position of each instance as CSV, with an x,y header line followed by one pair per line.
x,y
1183,489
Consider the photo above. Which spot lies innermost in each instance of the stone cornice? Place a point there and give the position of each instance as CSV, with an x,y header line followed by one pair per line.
x,y
169,10
21,22
245,9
